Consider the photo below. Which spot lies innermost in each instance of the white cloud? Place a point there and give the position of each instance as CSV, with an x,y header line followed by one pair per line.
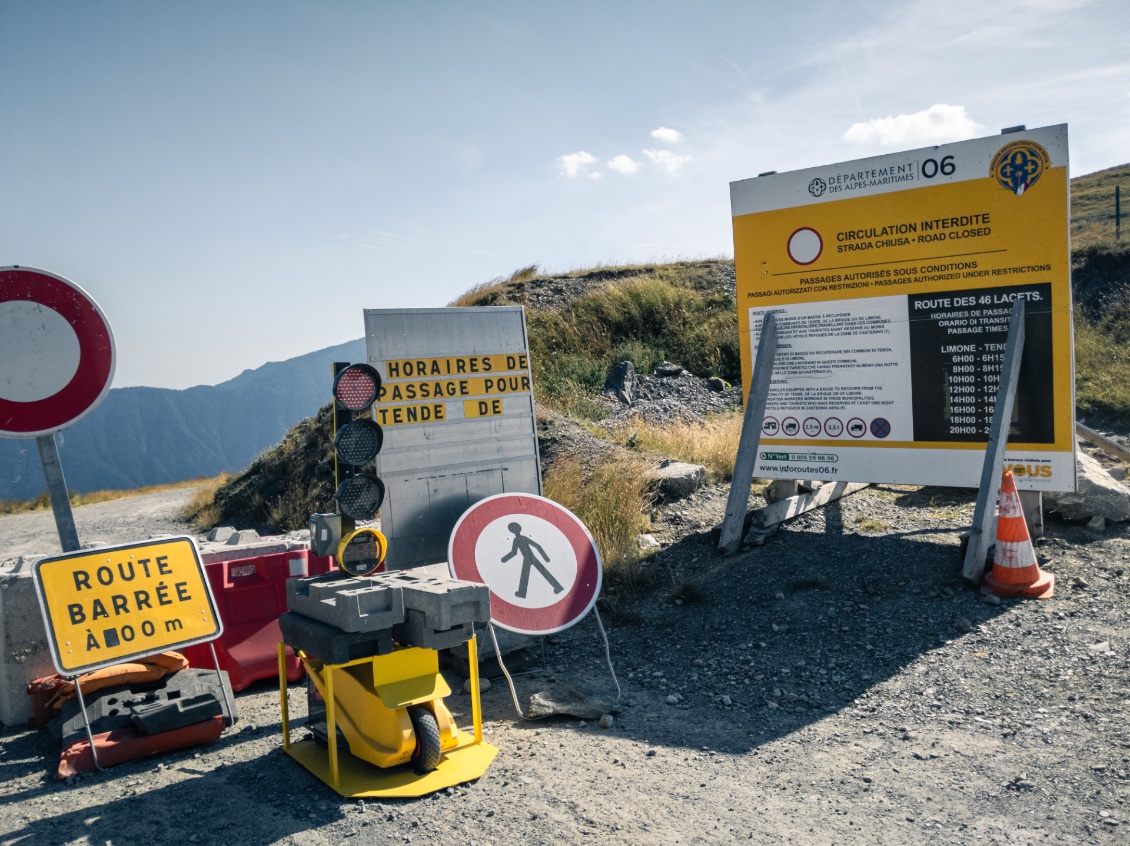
x,y
666,134
577,164
667,160
936,125
623,164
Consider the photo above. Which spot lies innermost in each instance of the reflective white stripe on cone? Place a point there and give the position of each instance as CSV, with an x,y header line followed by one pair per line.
x,y
1015,571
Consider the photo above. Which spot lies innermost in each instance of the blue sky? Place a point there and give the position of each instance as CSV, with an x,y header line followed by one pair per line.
x,y
234,182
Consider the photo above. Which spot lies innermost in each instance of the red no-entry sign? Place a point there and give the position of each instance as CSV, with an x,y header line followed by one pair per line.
x,y
539,561
56,353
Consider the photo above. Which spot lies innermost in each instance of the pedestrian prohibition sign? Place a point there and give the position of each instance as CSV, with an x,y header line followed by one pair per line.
x,y
538,560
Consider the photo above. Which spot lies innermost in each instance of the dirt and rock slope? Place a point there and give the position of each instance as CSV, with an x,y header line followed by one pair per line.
x,y
839,684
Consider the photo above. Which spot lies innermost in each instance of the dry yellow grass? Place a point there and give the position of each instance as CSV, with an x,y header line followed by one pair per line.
x,y
487,293
43,501
611,500
202,509
713,444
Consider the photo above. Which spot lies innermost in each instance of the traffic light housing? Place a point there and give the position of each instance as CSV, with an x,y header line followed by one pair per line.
x,y
357,441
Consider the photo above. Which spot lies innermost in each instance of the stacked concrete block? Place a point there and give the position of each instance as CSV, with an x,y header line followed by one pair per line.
x,y
445,603
352,605
439,613
331,644
412,608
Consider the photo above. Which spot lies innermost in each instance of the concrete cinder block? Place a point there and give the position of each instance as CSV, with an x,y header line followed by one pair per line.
x,y
24,640
415,631
349,604
243,537
220,534
445,603
330,644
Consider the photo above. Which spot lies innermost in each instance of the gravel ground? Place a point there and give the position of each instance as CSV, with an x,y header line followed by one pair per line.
x,y
117,521
839,684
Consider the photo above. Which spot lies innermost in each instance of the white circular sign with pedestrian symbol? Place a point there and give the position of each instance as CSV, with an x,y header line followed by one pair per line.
x,y
538,560
539,563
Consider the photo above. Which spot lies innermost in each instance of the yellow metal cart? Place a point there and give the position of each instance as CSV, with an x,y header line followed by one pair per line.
x,y
402,740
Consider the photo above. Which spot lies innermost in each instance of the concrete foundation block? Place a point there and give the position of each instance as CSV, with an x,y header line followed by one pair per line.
x,y
23,638
211,553
220,534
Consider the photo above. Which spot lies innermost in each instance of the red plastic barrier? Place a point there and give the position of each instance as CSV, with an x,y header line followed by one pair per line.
x,y
250,595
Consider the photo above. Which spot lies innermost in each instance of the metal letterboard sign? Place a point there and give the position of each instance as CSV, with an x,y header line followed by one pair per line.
x,y
457,410
112,604
892,279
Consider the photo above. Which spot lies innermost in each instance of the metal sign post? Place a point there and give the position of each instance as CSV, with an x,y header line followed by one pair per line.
x,y
983,533
738,500
57,489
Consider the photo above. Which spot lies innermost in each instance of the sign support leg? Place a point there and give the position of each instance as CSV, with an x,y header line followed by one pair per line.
x,y
476,694
86,722
607,652
284,697
984,533
1032,504
738,502
57,488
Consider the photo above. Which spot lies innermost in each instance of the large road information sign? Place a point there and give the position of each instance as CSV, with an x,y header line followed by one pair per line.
x,y
108,605
892,280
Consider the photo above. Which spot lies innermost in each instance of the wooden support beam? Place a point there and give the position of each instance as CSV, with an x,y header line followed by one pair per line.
x,y
786,509
1111,448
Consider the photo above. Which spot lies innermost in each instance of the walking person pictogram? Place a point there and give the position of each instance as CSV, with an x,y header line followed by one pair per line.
x,y
526,546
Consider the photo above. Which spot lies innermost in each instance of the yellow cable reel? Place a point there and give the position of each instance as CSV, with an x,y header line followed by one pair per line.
x,y
362,552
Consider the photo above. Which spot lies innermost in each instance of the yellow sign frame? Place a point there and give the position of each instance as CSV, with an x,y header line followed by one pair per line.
x,y
892,280
113,604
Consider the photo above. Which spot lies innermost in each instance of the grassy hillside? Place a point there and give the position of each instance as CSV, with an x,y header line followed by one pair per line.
x,y
1101,288
582,324
1092,210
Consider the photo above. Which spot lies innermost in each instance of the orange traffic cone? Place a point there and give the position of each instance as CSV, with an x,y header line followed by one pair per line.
x,y
1015,571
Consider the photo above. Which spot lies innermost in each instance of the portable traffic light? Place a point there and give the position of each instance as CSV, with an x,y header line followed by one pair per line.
x,y
357,440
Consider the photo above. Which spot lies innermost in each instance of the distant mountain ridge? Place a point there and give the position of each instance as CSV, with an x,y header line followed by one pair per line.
x,y
148,436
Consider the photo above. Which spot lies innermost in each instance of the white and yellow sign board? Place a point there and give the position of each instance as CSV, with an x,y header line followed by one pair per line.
x,y
892,281
114,604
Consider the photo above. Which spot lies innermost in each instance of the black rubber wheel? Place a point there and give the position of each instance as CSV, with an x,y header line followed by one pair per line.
x,y
427,754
